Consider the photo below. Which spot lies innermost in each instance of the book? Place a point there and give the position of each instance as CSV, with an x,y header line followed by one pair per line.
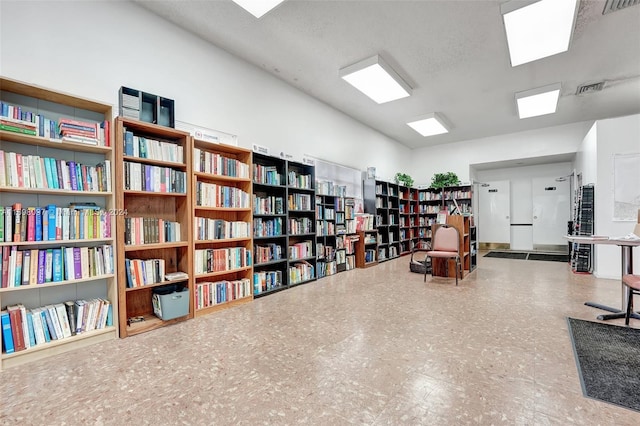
x,y
7,335
53,313
32,335
15,317
63,318
71,315
38,326
57,265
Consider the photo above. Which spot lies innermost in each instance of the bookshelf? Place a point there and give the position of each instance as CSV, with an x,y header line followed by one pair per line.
x,y
582,254
382,200
366,248
222,217
153,194
326,234
269,224
62,254
429,205
301,244
408,214
463,225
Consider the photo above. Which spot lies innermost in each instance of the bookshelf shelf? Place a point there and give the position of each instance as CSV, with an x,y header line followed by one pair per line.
x,y
221,306
210,176
57,242
55,284
223,209
52,112
172,164
149,213
52,143
271,262
159,246
166,282
223,241
225,272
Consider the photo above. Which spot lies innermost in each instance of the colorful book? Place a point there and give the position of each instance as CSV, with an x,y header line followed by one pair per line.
x,y
7,335
38,224
32,335
51,220
57,265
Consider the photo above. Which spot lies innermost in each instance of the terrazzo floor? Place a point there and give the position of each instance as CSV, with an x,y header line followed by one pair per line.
x,y
374,346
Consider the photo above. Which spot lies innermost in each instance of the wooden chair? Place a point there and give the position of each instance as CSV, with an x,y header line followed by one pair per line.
x,y
633,284
446,245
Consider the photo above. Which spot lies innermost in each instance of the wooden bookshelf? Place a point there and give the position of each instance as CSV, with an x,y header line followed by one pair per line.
x,y
154,184
43,103
222,217
367,243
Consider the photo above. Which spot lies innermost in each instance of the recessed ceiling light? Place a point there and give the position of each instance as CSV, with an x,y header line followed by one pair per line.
x,y
258,7
429,125
538,29
540,101
376,79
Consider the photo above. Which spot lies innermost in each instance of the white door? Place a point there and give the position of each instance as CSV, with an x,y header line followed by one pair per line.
x,y
494,212
551,212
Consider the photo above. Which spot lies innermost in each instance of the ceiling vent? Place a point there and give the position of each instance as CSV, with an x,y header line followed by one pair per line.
x,y
613,5
589,88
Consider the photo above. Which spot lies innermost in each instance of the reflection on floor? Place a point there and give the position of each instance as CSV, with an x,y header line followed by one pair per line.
x,y
373,346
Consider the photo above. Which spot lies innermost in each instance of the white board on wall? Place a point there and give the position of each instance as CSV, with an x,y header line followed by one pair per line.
x,y
340,175
626,188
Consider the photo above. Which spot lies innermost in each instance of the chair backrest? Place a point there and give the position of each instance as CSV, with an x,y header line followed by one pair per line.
x,y
446,239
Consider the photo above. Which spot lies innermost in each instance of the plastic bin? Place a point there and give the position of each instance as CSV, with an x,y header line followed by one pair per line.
x,y
171,305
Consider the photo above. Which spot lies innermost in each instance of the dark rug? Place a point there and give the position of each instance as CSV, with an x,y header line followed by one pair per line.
x,y
549,257
507,255
608,360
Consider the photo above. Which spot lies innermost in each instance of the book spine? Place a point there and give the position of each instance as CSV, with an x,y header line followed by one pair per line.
x,y
7,335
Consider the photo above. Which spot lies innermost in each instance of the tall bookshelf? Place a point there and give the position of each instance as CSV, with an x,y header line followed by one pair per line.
x,y
408,214
301,213
366,247
348,238
326,234
429,205
153,193
381,199
222,217
463,225
269,224
28,193
582,254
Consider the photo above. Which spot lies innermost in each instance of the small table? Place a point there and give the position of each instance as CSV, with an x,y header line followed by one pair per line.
x,y
626,246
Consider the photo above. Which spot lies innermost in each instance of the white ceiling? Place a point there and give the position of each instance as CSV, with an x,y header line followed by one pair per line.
x,y
452,53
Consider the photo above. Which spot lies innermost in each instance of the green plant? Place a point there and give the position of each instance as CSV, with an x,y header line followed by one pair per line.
x,y
440,180
405,179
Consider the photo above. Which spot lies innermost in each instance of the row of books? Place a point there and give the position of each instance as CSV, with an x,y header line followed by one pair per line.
x,y
364,222
300,272
32,171
331,189
326,269
214,195
267,175
215,293
267,227
149,230
323,212
457,194
429,196
268,253
16,118
216,164
141,272
300,226
142,147
76,222
296,180
219,229
24,328
225,259
266,281
325,228
326,253
299,202
301,250
268,205
41,266
144,177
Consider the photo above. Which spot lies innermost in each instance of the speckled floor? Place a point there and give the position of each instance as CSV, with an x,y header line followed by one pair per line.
x,y
373,347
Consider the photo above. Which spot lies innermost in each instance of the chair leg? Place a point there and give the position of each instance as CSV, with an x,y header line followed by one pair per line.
x,y
629,303
457,269
425,269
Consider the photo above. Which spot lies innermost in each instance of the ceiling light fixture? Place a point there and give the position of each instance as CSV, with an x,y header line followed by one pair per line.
x,y
376,79
540,101
538,28
429,125
257,7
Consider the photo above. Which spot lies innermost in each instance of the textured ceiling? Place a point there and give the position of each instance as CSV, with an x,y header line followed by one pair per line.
x,y
452,53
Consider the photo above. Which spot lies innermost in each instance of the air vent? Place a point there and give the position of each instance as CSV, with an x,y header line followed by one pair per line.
x,y
589,88
613,5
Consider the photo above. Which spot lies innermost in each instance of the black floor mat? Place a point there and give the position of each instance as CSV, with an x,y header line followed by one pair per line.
x,y
506,255
529,256
549,257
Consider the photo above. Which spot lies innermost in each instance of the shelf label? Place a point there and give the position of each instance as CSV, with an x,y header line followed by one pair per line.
x,y
308,161
260,149
286,156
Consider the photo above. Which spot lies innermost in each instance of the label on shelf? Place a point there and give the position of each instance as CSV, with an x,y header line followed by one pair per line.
x,y
260,149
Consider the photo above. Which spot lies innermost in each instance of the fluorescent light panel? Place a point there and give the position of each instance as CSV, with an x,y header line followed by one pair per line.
x,y
538,29
258,7
429,125
376,79
540,101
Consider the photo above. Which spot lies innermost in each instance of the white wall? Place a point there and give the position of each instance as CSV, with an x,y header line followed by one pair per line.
x,y
457,157
614,136
586,161
113,44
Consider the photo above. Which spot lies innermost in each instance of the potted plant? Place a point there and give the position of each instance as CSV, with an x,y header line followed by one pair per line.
x,y
402,178
440,180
